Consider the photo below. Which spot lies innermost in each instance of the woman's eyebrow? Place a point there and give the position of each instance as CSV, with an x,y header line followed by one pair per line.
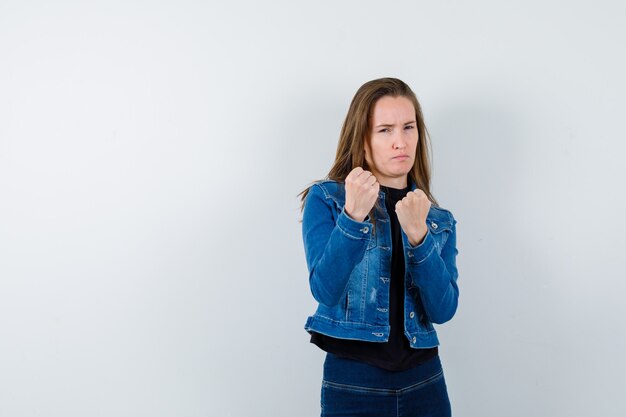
x,y
391,124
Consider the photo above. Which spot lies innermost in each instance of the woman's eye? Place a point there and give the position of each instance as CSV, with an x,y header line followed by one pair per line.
x,y
409,127
383,130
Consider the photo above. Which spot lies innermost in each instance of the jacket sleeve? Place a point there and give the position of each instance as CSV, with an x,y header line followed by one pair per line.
x,y
435,275
333,244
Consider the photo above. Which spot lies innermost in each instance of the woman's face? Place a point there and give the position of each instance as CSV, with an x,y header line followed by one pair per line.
x,y
390,149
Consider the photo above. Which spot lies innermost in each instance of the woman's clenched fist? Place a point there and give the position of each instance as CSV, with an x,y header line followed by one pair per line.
x,y
412,211
361,193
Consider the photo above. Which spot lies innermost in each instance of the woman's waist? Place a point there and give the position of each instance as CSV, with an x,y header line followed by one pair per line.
x,y
339,371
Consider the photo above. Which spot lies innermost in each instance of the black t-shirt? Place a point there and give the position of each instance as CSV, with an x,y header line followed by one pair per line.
x,y
395,354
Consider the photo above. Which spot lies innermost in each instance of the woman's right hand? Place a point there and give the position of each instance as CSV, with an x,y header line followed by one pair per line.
x,y
361,193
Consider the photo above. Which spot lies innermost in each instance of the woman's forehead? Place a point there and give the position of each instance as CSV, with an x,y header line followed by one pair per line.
x,y
392,110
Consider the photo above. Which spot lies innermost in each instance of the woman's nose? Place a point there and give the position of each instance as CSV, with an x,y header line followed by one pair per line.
x,y
399,142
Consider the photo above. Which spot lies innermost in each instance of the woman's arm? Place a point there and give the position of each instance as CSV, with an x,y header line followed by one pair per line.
x,y
435,275
333,244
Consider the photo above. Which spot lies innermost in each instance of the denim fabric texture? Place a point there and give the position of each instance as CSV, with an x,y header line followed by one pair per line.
x,y
349,265
353,388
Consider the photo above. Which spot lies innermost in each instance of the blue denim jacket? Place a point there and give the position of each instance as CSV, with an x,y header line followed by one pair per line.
x,y
349,270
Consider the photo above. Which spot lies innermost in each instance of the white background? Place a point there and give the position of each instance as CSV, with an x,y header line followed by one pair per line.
x,y
151,261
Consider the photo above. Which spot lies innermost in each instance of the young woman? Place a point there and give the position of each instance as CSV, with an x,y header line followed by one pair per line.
x,y
381,255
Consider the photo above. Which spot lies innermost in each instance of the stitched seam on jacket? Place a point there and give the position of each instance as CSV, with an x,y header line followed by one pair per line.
x,y
360,323
432,248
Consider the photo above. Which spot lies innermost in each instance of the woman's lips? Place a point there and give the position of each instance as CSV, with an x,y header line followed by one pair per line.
x,y
401,158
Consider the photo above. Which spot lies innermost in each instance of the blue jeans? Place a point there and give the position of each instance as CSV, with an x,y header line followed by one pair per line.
x,y
352,388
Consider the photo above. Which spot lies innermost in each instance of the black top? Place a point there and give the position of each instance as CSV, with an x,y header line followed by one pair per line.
x,y
395,354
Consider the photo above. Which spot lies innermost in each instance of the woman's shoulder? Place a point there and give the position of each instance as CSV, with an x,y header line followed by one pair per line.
x,y
322,195
330,189
441,213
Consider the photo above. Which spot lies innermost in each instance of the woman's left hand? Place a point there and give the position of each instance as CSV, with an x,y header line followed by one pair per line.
x,y
412,211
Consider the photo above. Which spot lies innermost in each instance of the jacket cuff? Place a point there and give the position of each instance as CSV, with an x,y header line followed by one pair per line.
x,y
353,229
418,254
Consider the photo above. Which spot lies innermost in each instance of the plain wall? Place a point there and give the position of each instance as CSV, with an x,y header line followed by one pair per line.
x,y
151,261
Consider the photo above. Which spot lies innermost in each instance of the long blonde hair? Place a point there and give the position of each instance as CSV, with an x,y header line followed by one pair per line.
x,y
356,130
